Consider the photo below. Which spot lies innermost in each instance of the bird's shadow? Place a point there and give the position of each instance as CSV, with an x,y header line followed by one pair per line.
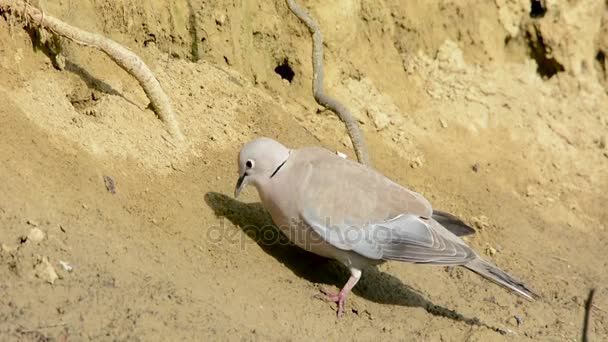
x,y
375,285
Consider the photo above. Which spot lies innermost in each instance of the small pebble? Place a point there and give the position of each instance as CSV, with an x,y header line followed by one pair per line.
x,y
530,191
35,235
46,272
7,249
66,266
220,19
519,320
110,186
480,222
416,163
341,155
515,321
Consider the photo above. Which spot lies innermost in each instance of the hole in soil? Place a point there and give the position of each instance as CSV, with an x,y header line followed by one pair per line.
x,y
537,10
285,70
547,66
601,58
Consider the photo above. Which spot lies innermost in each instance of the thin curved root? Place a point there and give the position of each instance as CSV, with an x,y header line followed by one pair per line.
x,y
321,97
124,57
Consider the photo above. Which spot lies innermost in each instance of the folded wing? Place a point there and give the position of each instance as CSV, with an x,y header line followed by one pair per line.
x,y
356,208
418,240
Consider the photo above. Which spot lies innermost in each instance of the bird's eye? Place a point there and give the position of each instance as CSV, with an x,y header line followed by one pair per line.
x,y
249,164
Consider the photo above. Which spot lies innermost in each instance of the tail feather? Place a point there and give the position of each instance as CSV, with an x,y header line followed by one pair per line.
x,y
500,277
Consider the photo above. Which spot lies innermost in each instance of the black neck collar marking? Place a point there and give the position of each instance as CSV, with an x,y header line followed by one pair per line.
x,y
280,166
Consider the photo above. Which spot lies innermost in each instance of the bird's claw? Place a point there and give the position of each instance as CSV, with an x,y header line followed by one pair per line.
x,y
331,296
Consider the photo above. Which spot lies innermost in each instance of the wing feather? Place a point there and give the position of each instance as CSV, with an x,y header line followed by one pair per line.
x,y
357,209
420,240
342,236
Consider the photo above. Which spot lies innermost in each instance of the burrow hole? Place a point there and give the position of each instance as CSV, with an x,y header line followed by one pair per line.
x,y
548,66
285,71
537,9
601,59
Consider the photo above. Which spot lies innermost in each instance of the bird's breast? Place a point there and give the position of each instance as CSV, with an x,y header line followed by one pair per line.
x,y
285,217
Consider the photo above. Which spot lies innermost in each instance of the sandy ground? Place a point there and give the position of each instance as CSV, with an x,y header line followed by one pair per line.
x,y
496,112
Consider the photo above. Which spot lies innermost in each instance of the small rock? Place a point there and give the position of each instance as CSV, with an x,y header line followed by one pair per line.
x,y
380,119
110,185
530,191
480,222
515,320
450,56
491,251
220,19
7,249
46,271
475,167
66,266
35,235
341,155
519,320
416,163
443,123
32,223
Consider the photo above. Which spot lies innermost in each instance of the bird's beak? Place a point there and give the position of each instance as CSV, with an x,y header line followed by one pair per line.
x,y
240,184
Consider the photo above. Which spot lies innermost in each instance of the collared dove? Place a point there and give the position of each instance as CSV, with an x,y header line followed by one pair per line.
x,y
340,209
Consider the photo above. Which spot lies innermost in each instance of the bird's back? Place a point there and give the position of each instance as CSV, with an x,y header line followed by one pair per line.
x,y
344,191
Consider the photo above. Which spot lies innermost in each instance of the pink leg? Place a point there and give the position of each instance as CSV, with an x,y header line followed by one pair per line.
x,y
340,297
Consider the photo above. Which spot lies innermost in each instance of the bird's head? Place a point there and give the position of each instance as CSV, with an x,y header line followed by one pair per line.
x,y
259,160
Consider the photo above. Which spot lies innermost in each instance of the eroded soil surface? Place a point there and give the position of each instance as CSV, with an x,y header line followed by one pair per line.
x,y
495,112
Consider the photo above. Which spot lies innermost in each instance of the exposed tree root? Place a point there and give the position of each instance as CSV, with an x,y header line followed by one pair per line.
x,y
317,84
124,57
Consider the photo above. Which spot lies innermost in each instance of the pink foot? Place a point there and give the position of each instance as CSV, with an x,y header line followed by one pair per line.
x,y
337,298
340,297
